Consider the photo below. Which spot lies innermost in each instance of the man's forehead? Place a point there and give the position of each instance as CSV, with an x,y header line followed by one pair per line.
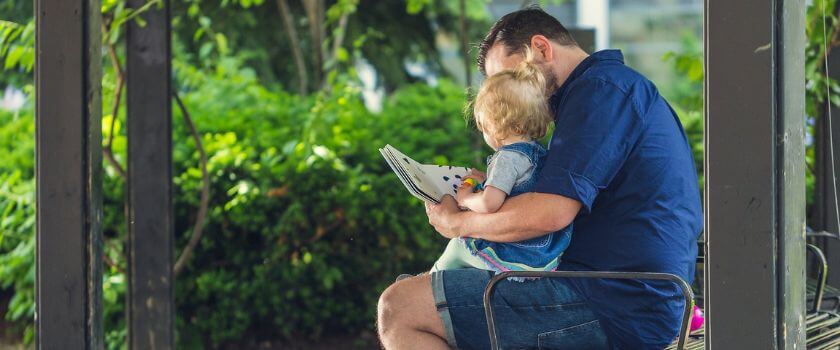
x,y
499,60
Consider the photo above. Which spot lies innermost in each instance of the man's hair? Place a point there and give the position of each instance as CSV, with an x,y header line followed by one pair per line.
x,y
516,29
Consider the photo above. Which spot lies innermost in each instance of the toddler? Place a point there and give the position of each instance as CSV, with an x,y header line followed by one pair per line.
x,y
512,113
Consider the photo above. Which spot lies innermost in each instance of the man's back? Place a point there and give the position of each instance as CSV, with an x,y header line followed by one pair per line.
x,y
620,150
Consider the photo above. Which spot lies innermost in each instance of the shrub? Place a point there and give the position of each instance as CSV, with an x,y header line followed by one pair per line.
x,y
308,225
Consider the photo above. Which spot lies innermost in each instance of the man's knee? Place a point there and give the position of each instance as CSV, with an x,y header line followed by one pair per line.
x,y
387,308
402,304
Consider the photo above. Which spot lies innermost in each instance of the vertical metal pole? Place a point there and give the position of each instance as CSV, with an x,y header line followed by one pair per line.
x,y
789,26
68,73
150,233
755,204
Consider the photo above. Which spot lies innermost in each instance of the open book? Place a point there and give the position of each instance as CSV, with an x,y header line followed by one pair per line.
x,y
427,182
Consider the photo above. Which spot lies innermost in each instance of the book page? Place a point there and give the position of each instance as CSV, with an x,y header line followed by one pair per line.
x,y
425,180
417,176
446,177
405,177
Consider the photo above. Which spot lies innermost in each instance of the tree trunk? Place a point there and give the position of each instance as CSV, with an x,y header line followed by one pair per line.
x,y
465,50
315,15
288,23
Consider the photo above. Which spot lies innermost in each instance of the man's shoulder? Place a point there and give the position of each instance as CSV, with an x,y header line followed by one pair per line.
x,y
632,84
618,75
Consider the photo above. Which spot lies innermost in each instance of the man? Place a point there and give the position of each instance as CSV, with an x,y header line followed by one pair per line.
x,y
619,166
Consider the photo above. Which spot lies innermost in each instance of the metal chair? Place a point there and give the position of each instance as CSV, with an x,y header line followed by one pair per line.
x,y
822,328
830,297
684,287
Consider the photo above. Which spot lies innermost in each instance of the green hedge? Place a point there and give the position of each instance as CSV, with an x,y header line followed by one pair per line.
x,y
307,225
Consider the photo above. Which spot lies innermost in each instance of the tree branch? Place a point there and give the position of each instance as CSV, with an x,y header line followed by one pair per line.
x,y
110,262
115,107
314,13
288,23
321,231
339,36
198,227
835,40
465,49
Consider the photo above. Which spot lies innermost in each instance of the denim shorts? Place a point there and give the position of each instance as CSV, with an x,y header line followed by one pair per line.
x,y
534,314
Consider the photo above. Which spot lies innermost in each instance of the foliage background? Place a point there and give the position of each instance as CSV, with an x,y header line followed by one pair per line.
x,y
302,232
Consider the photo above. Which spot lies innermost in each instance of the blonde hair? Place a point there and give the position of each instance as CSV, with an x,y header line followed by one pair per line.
x,y
513,102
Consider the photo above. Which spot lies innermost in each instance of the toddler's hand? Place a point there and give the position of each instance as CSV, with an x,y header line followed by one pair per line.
x,y
464,192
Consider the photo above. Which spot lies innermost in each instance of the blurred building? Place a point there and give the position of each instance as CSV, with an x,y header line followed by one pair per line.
x,y
644,35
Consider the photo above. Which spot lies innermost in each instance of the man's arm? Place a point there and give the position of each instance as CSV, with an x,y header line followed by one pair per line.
x,y
521,217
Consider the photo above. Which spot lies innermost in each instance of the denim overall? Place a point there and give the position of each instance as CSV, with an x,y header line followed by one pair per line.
x,y
540,253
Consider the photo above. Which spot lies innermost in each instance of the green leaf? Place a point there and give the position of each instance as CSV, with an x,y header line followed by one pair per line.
x,y
13,57
198,33
342,55
193,10
414,7
205,50
221,43
204,21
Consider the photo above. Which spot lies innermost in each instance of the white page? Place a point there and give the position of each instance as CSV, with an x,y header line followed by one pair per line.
x,y
405,178
433,181
447,178
418,176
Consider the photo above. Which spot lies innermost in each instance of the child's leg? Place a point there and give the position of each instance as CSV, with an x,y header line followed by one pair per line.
x,y
457,256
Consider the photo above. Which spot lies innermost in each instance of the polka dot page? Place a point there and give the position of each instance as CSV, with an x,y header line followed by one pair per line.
x,y
425,181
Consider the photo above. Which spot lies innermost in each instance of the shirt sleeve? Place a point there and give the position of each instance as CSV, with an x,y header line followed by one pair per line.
x,y
594,132
505,168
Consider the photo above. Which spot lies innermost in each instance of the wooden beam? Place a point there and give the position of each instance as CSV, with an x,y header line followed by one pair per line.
x,y
755,185
68,174
150,235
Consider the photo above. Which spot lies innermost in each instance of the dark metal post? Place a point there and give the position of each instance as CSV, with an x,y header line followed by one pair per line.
x,y
755,203
68,73
150,234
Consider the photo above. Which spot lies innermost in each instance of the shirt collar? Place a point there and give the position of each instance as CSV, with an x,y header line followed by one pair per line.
x,y
583,66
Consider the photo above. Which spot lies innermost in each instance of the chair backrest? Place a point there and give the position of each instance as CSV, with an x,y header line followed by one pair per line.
x,y
822,275
682,284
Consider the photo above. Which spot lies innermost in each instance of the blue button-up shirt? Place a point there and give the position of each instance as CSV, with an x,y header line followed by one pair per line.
x,y
620,150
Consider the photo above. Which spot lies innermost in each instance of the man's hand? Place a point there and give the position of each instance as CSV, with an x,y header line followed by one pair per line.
x,y
443,216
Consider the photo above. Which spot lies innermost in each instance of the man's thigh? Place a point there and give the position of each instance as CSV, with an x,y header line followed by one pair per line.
x,y
534,314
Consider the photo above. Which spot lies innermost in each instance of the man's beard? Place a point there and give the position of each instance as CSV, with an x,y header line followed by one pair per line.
x,y
550,82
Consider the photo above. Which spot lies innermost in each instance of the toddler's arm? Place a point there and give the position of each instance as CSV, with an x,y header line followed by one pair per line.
x,y
487,201
504,168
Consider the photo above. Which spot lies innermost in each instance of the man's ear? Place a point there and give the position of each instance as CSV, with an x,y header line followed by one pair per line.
x,y
542,48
